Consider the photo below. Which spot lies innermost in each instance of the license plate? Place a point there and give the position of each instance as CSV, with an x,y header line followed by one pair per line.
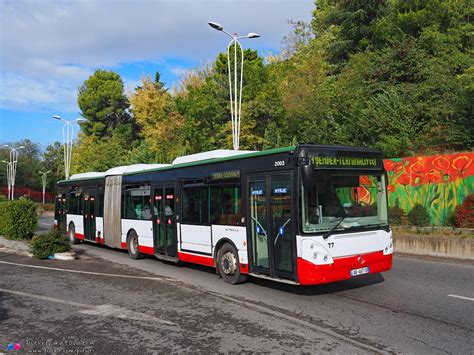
x,y
361,271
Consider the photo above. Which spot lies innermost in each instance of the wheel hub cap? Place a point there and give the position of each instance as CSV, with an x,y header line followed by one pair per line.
x,y
229,263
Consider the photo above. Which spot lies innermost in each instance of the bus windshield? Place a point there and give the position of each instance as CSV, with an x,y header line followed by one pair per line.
x,y
352,199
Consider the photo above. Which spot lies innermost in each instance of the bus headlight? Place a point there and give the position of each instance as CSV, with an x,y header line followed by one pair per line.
x,y
315,253
389,247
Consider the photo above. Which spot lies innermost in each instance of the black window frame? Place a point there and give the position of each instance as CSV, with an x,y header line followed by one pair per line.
x,y
212,208
143,187
183,209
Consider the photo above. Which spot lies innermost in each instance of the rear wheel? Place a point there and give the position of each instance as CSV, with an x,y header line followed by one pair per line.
x,y
229,265
132,246
72,234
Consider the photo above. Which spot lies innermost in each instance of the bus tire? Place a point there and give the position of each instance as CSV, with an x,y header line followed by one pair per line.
x,y
72,234
132,246
229,265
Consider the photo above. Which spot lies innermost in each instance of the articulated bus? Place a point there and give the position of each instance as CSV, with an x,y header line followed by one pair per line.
x,y
305,215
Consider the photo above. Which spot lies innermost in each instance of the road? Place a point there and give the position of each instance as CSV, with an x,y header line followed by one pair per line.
x,y
421,306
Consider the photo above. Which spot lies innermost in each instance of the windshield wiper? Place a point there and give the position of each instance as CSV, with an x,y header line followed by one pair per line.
x,y
331,231
384,226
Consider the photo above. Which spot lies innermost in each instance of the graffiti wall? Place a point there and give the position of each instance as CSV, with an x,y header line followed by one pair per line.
x,y
438,182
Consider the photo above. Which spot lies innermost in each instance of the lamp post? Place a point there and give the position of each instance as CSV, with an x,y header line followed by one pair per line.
x,y
235,96
68,139
43,180
8,177
13,164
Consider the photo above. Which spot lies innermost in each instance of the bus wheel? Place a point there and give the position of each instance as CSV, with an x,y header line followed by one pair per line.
x,y
132,246
229,265
72,234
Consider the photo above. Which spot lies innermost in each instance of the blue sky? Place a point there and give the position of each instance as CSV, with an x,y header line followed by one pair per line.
x,y
49,47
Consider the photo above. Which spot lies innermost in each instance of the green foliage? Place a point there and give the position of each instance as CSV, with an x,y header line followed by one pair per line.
x,y
464,214
392,74
98,154
46,245
397,215
18,219
102,101
419,216
53,160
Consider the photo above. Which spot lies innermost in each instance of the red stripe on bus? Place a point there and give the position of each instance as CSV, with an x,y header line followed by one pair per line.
x,y
146,250
310,274
80,236
96,239
124,245
196,259
244,268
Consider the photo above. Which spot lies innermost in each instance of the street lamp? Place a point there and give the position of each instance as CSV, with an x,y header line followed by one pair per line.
x,y
235,96
13,164
43,180
68,139
9,184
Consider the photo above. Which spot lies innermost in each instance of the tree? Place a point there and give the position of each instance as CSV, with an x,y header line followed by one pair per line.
x,y
29,165
352,24
102,101
160,125
97,154
53,160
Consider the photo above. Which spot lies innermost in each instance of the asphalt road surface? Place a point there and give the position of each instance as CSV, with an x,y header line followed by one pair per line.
x,y
421,306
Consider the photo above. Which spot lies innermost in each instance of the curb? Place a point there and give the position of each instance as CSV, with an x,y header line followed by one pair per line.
x,y
64,256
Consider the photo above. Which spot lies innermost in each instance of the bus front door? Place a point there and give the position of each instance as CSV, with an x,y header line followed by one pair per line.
x,y
61,215
89,217
270,225
164,225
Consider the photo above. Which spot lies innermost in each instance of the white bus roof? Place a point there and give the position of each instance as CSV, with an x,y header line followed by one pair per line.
x,y
213,154
92,174
120,170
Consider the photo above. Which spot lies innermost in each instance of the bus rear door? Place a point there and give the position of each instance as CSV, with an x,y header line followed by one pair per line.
x,y
89,217
164,225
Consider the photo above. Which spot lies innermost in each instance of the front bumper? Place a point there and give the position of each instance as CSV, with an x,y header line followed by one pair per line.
x,y
311,274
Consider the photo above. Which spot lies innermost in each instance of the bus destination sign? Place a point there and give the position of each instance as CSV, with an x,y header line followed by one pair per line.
x,y
345,162
222,175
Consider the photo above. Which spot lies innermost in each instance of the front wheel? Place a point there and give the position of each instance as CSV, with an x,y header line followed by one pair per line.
x,y
132,246
229,265
72,234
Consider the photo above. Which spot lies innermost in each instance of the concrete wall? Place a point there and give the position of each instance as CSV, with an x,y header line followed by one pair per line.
x,y
448,247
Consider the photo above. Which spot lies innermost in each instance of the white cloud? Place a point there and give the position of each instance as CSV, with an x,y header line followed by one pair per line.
x,y
53,45
25,94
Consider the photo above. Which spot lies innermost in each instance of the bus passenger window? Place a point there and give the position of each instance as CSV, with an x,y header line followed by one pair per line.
x,y
225,205
137,203
195,205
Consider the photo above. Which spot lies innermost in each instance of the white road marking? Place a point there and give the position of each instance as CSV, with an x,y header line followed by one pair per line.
x,y
462,297
104,310
46,224
89,272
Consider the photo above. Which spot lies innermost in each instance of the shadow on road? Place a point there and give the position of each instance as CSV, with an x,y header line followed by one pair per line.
x,y
360,281
357,282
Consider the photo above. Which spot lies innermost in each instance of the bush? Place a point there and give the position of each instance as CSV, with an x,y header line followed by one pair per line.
x,y
49,244
419,216
464,214
396,215
18,219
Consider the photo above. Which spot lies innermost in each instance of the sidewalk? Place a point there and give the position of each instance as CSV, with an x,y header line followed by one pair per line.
x,y
19,247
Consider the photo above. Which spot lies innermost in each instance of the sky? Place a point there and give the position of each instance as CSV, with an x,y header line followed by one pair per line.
x,y
49,47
